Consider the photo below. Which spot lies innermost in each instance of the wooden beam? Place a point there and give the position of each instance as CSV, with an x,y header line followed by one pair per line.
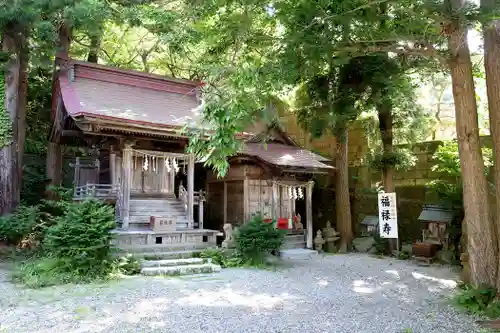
x,y
246,196
190,189
127,184
225,202
309,215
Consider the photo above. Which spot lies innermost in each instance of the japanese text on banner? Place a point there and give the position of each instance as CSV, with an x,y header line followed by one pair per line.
x,y
388,215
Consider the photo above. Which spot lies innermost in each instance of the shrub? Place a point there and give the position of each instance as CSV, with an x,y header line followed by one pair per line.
x,y
80,240
127,265
15,227
256,239
224,258
43,272
476,300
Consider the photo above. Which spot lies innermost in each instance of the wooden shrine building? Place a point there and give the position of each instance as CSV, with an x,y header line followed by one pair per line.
x,y
129,124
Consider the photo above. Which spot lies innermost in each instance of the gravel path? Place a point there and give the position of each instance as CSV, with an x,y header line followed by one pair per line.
x,y
337,293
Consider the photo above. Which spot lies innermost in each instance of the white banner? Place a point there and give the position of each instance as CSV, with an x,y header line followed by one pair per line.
x,y
387,215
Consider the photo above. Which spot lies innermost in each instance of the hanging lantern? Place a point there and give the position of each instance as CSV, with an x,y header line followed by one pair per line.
x,y
167,164
145,166
301,193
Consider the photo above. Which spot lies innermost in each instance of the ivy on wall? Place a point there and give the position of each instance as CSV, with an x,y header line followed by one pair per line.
x,y
5,123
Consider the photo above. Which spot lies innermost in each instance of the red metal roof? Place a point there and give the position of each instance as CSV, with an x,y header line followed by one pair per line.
x,y
287,156
135,97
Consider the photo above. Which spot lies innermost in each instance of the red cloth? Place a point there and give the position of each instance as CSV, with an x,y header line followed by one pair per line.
x,y
268,220
282,223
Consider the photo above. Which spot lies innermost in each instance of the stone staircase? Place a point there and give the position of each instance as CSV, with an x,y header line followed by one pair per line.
x,y
294,239
167,206
176,267
140,238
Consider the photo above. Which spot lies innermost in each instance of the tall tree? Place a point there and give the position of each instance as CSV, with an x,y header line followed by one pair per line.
x,y
491,30
9,174
482,245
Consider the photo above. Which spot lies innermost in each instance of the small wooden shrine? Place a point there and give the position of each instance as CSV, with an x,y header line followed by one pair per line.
x,y
436,220
267,178
130,124
369,225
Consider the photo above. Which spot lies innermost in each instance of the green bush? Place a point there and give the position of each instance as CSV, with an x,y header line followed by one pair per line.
x,y
256,239
127,265
80,240
224,258
381,245
44,272
15,227
479,301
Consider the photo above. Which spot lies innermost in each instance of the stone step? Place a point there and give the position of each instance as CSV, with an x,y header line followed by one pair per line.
x,y
173,262
160,255
294,245
145,220
295,238
139,225
158,212
298,254
181,270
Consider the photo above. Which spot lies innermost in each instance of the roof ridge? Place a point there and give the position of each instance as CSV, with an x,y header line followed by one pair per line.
x,y
135,73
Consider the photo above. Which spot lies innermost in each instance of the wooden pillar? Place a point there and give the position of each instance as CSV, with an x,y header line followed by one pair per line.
x,y
275,204
190,187
54,163
76,176
246,195
112,167
200,209
171,180
225,202
309,221
127,184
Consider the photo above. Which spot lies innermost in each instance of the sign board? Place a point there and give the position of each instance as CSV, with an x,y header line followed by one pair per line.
x,y
162,224
387,215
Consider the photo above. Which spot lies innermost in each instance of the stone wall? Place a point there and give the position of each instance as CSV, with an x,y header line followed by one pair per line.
x,y
410,184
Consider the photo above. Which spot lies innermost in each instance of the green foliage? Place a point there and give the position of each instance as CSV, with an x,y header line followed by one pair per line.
x,y
256,240
224,258
478,301
19,225
449,188
127,265
80,240
381,245
400,159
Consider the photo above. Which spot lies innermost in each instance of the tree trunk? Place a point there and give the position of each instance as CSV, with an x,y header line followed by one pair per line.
x,y
481,245
492,70
9,176
54,152
22,103
385,120
95,46
342,200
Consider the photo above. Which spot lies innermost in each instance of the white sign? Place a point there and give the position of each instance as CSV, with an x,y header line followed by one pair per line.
x,y
387,215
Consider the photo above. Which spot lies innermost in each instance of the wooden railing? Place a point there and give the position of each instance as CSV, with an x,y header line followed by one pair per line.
x,y
199,199
183,196
98,191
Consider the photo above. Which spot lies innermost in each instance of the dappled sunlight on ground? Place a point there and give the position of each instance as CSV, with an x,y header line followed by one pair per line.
x,y
230,297
345,294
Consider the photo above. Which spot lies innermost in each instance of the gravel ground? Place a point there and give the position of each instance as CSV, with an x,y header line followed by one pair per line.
x,y
337,293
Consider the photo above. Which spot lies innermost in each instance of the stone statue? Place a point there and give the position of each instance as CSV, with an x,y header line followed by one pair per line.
x,y
229,239
319,241
297,222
